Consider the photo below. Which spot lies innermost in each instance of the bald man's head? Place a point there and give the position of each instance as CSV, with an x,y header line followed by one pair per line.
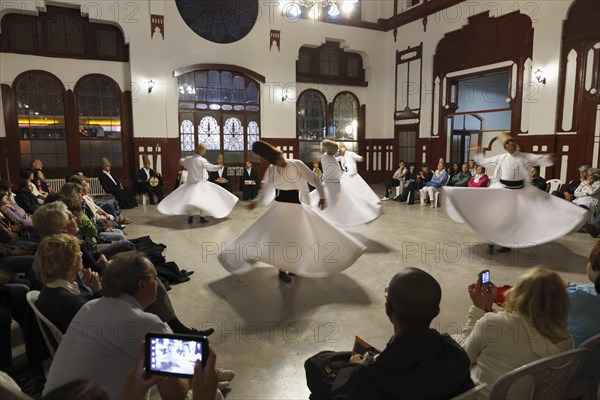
x,y
414,298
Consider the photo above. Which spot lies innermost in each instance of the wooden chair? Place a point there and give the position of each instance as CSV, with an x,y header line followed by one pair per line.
x,y
551,376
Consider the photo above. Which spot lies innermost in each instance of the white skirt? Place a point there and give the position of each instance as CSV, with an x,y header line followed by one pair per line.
x,y
358,187
205,198
291,237
343,208
513,217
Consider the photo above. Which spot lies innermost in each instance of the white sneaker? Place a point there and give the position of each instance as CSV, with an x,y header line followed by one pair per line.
x,y
385,198
225,375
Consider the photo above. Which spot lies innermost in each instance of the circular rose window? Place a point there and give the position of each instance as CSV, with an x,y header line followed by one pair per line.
x,y
220,21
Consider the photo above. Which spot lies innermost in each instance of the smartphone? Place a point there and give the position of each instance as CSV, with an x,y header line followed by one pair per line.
x,y
173,354
484,277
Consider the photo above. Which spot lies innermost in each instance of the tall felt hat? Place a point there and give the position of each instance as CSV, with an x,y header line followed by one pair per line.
x,y
330,146
201,149
504,137
105,162
145,160
266,151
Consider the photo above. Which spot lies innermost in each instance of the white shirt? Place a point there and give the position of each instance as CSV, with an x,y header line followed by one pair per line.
x,y
110,176
102,344
349,160
197,168
331,169
294,176
513,167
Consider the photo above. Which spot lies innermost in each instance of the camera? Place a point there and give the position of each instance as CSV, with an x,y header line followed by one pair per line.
x,y
484,277
174,354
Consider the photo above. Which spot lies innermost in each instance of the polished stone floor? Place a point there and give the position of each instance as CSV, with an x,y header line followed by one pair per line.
x,y
266,329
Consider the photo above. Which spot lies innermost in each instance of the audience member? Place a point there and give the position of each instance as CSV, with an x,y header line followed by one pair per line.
x,y
220,176
24,196
249,182
110,184
438,180
421,178
129,286
396,180
411,176
38,177
452,170
587,194
584,320
418,362
480,179
150,181
568,192
536,179
60,262
13,212
532,325
472,167
461,179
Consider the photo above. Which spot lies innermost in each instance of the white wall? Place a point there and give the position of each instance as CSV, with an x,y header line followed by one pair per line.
x,y
155,114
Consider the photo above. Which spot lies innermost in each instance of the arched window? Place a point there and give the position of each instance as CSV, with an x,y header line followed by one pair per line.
x,y
345,119
311,120
221,104
99,110
41,116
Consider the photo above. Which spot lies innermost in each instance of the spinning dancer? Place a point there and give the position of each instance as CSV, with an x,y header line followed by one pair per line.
x,y
356,184
290,235
197,194
511,212
343,207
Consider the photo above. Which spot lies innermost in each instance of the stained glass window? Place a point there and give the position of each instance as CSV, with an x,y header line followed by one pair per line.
x,y
233,137
209,133
186,135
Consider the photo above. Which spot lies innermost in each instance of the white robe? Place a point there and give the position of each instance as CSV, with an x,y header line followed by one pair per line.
x,y
517,218
355,183
343,209
291,236
197,195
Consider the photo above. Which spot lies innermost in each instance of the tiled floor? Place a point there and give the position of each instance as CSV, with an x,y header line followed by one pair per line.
x,y
265,329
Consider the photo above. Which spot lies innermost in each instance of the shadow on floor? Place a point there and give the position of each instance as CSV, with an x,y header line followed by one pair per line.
x,y
259,295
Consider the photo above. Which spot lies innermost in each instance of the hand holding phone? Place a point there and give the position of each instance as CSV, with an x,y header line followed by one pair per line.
x,y
484,277
174,354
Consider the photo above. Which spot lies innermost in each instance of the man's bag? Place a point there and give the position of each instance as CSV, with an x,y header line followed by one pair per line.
x,y
322,369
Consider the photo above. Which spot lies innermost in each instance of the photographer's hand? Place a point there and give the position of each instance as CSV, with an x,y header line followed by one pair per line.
x,y
138,383
204,383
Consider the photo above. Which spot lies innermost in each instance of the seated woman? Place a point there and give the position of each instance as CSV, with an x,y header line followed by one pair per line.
x,y
587,194
55,218
13,212
25,198
480,179
439,179
60,261
532,325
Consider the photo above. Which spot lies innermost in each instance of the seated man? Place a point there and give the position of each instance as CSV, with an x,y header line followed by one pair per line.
x,y
220,176
110,184
422,177
129,286
418,362
249,182
396,180
150,181
536,179
568,192
461,179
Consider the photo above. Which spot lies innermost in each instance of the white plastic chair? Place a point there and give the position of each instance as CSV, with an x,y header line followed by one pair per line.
x,y
470,394
554,184
551,376
52,335
582,387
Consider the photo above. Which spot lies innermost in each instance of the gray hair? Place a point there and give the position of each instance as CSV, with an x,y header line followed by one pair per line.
x,y
124,273
595,172
50,219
